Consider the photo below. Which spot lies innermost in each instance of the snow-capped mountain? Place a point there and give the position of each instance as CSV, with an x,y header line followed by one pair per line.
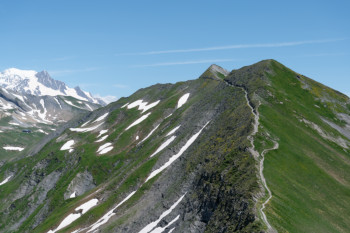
x,y
26,119
41,84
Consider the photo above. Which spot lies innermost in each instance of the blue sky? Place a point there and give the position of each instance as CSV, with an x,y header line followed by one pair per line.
x,y
113,48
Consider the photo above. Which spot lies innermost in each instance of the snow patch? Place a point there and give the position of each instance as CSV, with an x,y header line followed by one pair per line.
x,y
13,148
173,131
84,124
102,139
152,225
144,106
85,129
183,100
165,144
87,105
138,121
102,132
71,104
104,146
101,118
73,195
59,104
106,150
109,214
68,145
124,105
150,133
6,180
74,216
161,229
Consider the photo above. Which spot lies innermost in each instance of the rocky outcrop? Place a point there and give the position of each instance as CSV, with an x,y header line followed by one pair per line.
x,y
82,183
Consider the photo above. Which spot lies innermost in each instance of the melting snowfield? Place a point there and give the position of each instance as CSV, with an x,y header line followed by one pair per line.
x,y
152,225
183,100
13,148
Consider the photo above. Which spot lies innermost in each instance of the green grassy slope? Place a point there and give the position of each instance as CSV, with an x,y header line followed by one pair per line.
x,y
309,175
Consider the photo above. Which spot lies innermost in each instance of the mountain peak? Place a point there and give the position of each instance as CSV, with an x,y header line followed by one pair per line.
x,y
40,84
215,72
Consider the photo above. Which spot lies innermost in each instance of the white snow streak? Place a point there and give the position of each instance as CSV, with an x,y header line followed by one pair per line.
x,y
102,132
161,229
150,133
173,131
104,146
142,105
138,121
101,118
152,225
85,129
84,124
183,100
71,104
74,216
13,148
165,144
5,181
176,156
87,105
105,150
59,104
68,145
124,105
109,214
102,139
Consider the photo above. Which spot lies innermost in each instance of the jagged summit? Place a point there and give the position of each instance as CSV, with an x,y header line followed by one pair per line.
x,y
215,72
41,84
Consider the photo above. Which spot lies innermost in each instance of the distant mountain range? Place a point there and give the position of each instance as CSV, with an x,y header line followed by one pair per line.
x,y
41,84
33,106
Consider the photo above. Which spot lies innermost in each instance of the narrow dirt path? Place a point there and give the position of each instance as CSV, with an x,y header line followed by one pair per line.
x,y
256,154
262,177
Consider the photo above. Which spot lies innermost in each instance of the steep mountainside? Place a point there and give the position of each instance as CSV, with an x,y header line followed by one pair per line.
x,y
309,173
41,84
25,119
189,157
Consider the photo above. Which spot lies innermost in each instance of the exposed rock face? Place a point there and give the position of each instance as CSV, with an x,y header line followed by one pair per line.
x,y
82,183
46,80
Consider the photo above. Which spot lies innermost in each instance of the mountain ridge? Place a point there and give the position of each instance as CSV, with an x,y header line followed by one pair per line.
x,y
194,156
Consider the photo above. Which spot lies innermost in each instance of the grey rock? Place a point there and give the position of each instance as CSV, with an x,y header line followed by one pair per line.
x,y
82,183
